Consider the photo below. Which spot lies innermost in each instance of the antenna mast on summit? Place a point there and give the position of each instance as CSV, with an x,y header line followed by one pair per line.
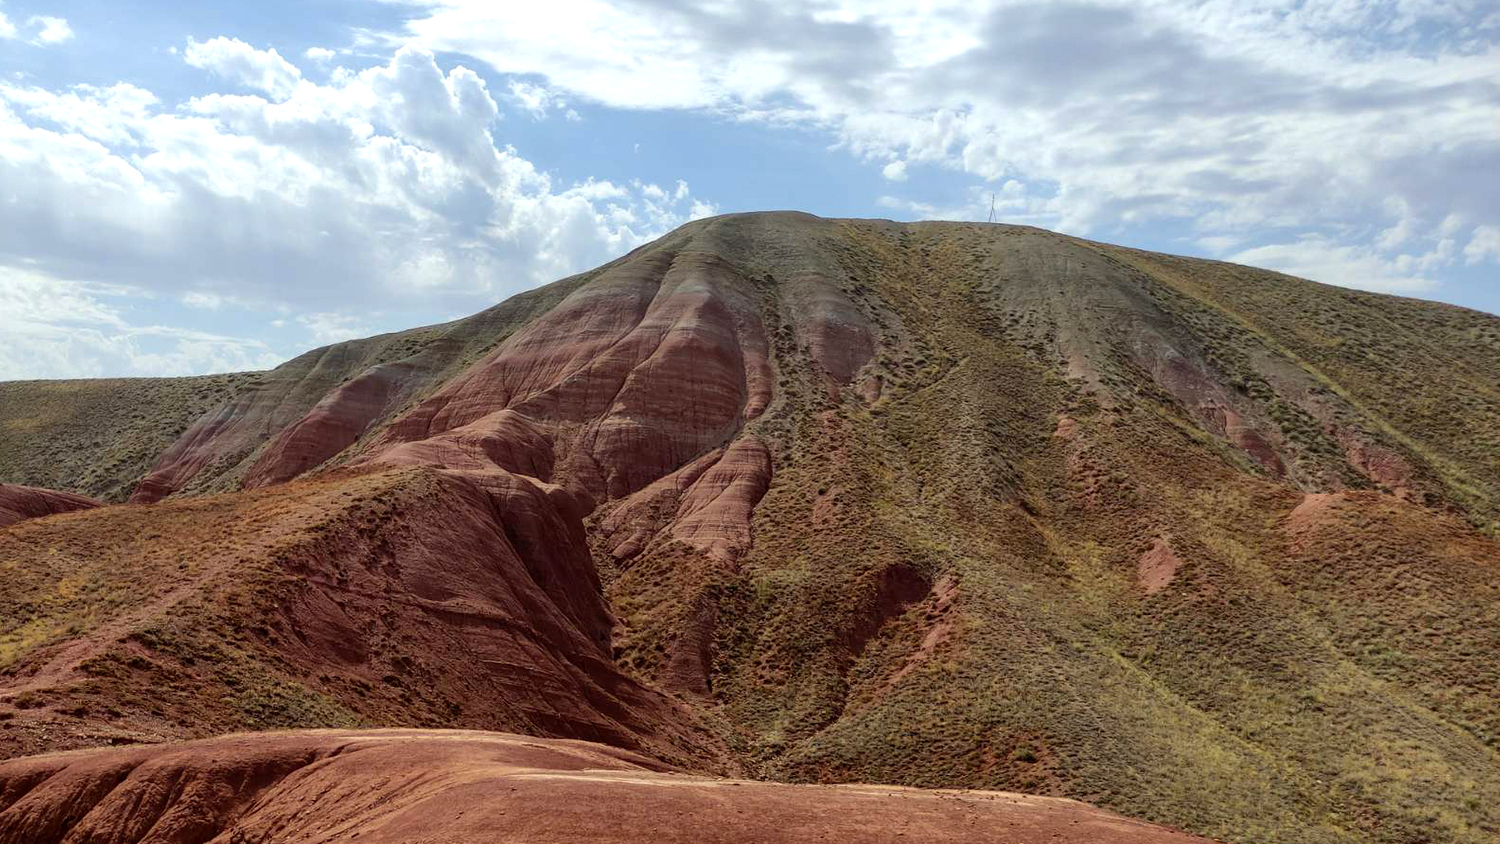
x,y
992,207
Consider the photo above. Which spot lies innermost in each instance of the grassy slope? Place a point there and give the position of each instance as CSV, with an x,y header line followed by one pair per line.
x,y
1423,372
98,437
1277,690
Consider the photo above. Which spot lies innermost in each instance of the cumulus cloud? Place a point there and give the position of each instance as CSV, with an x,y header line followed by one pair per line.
x,y
538,100
382,189
317,54
1226,118
1485,245
58,328
39,30
333,327
1350,266
239,63
49,30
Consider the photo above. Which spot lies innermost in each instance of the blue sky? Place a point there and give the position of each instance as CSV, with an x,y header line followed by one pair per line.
x,y
215,186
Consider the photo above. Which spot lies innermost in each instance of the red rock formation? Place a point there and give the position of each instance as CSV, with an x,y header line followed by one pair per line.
x,y
296,416
1157,567
18,503
454,787
643,370
631,524
188,455
837,333
335,422
715,514
1210,402
403,594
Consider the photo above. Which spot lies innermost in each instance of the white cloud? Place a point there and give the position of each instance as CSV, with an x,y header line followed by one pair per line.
x,y
920,210
533,99
699,209
335,327
50,30
1219,244
44,30
1226,118
235,61
895,171
382,190
1485,245
1348,266
318,54
540,101
67,329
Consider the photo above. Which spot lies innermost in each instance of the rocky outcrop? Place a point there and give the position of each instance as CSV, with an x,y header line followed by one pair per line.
x,y
453,787
18,503
337,421
714,515
1158,566
837,333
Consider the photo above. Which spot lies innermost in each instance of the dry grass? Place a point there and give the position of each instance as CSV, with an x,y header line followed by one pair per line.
x,y
98,437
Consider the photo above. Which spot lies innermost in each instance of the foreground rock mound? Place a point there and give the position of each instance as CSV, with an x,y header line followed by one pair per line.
x,y
451,787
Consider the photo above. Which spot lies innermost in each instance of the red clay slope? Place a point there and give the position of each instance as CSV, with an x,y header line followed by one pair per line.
x,y
18,503
453,787
405,597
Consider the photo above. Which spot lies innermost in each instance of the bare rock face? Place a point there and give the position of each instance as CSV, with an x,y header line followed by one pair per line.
x,y
453,787
335,422
230,435
715,513
645,369
1157,566
836,331
18,503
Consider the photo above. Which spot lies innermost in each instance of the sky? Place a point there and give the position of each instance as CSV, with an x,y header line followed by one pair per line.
x,y
219,186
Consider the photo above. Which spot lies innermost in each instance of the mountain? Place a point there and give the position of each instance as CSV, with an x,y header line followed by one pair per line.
x,y
937,504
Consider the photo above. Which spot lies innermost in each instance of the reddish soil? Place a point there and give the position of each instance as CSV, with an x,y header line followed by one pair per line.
x,y
1158,566
454,787
406,596
18,503
335,422
715,513
1312,507
944,594
1067,426
838,335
